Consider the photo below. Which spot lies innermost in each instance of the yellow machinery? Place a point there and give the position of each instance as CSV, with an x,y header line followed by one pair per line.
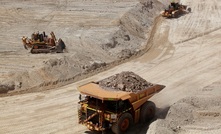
x,y
41,43
101,109
175,9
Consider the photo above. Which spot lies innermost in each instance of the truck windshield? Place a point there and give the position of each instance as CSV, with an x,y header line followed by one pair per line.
x,y
117,106
112,106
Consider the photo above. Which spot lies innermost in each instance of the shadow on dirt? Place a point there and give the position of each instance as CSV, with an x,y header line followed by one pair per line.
x,y
92,132
140,128
180,15
161,113
6,88
136,129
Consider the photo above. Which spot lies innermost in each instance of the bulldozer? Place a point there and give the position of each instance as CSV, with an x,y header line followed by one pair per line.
x,y
175,9
41,43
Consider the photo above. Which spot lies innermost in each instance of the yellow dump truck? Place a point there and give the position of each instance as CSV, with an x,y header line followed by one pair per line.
x,y
104,108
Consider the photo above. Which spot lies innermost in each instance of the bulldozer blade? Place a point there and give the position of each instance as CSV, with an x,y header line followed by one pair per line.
x,y
25,47
61,46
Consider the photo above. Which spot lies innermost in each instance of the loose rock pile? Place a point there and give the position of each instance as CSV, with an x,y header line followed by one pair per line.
x,y
125,81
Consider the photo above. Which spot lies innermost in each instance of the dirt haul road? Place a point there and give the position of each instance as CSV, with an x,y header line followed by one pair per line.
x,y
185,56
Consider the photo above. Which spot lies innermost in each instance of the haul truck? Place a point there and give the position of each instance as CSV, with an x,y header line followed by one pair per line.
x,y
101,109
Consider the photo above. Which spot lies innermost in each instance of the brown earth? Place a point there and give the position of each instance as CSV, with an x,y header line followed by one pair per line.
x,y
184,54
125,81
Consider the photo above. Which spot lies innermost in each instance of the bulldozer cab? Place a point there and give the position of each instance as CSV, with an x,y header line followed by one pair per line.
x,y
173,6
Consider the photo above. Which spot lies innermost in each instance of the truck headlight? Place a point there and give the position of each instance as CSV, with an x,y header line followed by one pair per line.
x,y
113,116
107,116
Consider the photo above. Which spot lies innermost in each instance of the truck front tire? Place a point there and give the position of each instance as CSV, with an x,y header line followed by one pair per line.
x,y
123,124
147,112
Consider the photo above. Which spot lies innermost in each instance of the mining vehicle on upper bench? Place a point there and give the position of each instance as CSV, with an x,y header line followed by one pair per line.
x,y
42,43
101,109
175,9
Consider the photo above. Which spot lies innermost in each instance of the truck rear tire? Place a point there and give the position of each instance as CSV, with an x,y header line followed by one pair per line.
x,y
147,112
123,124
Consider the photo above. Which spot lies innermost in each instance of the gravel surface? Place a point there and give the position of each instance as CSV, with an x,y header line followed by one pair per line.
x,y
125,81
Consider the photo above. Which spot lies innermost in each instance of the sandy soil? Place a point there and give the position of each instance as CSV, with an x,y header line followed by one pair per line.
x,y
199,113
96,33
185,56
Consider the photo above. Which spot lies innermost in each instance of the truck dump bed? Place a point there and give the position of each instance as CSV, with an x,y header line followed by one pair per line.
x,y
125,85
96,91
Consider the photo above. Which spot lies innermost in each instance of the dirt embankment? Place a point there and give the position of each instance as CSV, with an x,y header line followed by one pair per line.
x,y
195,114
123,38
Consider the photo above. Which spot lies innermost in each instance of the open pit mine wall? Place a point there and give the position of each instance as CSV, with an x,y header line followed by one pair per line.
x,y
135,29
131,38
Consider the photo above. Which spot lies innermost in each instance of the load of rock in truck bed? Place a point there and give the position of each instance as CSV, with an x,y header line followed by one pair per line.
x,y
125,81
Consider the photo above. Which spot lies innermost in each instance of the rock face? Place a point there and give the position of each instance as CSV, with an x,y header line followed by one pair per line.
x,y
125,81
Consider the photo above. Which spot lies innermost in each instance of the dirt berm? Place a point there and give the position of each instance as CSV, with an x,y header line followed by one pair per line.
x,y
98,34
197,114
